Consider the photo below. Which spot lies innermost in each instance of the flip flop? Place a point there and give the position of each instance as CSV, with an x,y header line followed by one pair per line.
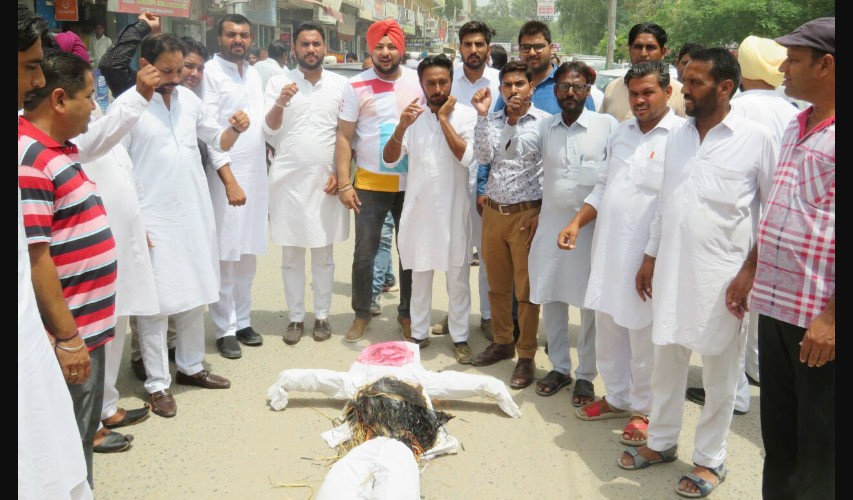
x,y
585,389
554,381
594,411
642,425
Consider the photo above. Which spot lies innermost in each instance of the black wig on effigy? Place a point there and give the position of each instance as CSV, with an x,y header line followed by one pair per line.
x,y
395,409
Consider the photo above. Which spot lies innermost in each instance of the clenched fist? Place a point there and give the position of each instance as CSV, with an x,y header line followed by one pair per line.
x,y
240,121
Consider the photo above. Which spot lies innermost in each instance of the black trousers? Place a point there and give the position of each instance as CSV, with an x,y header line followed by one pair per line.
x,y
797,416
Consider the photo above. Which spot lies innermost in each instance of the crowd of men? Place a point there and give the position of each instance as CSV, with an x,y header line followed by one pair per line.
x,y
682,215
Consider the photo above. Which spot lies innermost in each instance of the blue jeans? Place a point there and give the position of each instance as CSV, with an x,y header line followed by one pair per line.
x,y
375,206
383,270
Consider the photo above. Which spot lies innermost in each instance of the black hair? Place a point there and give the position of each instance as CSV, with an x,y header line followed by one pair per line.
x,y
31,27
532,28
650,28
578,67
476,27
646,68
196,47
277,48
724,65
440,60
499,56
516,67
154,45
308,26
233,18
62,70
351,55
688,48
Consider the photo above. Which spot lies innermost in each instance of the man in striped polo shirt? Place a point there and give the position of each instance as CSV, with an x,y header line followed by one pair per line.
x,y
68,234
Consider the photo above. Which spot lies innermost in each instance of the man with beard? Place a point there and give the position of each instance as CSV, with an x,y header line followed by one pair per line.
x,y
240,199
622,204
302,120
717,174
164,148
573,146
510,215
646,42
474,40
370,108
435,231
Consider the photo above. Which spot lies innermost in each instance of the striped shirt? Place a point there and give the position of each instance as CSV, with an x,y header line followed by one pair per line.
x,y
61,207
795,277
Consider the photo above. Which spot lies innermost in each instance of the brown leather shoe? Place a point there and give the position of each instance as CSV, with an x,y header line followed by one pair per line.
x,y
294,332
163,404
493,354
322,330
406,326
522,376
203,379
356,330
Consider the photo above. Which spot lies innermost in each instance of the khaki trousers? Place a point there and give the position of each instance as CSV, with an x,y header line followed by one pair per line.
x,y
504,250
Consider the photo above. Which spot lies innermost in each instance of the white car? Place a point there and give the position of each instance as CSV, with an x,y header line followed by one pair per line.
x,y
606,76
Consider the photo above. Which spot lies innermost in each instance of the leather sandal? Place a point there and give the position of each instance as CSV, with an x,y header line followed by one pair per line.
x,y
705,487
641,462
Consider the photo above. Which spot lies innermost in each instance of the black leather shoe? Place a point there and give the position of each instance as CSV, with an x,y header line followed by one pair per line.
x,y
248,336
130,417
697,395
203,379
172,354
138,367
113,443
229,348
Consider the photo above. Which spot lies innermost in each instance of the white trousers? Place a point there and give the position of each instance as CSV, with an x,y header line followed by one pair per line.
x,y
458,303
556,318
669,381
482,276
112,361
322,277
625,359
231,312
189,346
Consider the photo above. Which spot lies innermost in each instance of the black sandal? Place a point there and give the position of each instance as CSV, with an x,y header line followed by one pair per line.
x,y
552,383
583,389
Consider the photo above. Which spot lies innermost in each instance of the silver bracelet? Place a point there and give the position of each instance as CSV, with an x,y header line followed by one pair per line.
x,y
71,349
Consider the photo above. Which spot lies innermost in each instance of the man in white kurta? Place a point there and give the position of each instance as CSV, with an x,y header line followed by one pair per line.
x,y
302,108
435,225
622,204
573,145
178,217
231,84
717,171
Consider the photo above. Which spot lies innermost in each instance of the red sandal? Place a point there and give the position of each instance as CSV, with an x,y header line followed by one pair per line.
x,y
594,411
635,424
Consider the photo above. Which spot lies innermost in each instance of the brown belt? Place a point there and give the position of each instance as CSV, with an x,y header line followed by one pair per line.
x,y
514,208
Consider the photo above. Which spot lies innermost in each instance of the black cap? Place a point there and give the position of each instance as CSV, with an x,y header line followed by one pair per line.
x,y
818,34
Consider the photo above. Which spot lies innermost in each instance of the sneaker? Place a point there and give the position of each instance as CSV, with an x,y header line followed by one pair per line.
x,y
375,307
356,330
391,286
294,332
322,330
441,328
406,325
463,353
486,326
229,347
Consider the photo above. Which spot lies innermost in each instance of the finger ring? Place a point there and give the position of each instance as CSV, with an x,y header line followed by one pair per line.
x,y
73,374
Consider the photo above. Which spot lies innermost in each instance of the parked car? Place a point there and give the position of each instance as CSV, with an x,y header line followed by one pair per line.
x,y
606,76
347,70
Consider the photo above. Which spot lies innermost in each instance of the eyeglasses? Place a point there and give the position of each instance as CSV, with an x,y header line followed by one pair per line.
x,y
577,87
538,48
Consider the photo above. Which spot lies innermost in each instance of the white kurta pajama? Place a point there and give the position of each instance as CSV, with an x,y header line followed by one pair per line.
x,y
302,215
701,234
435,224
625,198
572,158
136,292
241,231
178,217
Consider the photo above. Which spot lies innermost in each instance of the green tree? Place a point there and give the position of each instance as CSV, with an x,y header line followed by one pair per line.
x,y
582,25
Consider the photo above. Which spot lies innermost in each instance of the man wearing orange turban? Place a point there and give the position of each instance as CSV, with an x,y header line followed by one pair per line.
x,y
370,108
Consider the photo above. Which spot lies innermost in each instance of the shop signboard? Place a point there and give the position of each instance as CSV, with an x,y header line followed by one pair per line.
x,y
171,8
65,10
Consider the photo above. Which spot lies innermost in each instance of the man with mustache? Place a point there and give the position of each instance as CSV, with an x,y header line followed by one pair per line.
x,y
622,204
716,177
370,108
179,219
238,184
510,215
573,146
301,121
435,230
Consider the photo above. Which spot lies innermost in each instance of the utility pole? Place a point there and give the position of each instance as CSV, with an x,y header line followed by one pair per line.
x,y
611,34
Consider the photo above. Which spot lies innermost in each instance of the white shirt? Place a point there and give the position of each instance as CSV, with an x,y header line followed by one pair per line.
x,y
704,228
176,207
435,224
98,47
464,89
765,107
378,469
301,213
268,68
572,158
241,230
625,198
